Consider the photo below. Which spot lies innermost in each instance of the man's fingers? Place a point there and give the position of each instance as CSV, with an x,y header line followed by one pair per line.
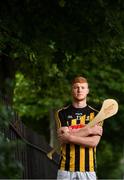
x,y
63,130
97,130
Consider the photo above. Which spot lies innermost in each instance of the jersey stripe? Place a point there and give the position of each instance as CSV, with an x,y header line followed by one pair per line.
x,y
72,150
63,157
58,122
77,157
82,159
67,166
91,160
86,159
82,119
82,149
94,158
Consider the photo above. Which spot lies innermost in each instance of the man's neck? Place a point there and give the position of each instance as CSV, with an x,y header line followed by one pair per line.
x,y
79,104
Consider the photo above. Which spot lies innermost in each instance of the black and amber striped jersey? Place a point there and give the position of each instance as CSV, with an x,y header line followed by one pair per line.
x,y
76,157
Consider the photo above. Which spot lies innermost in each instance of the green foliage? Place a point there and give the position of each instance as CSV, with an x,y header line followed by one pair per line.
x,y
9,167
108,162
52,41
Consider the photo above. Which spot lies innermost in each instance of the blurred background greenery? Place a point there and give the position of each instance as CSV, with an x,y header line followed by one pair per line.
x,y
44,44
10,168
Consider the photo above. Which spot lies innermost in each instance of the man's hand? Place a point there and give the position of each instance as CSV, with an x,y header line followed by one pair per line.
x,y
62,130
63,134
97,130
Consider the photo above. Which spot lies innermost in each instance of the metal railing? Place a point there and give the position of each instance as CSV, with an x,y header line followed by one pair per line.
x,y
32,153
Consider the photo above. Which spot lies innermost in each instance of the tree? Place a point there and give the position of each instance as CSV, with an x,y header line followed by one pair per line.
x,y
52,41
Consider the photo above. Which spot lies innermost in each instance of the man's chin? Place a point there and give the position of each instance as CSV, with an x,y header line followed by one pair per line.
x,y
79,99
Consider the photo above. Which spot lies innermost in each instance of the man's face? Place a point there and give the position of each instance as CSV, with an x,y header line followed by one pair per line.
x,y
80,91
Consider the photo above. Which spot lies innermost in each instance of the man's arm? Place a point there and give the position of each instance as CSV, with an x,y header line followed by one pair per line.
x,y
86,131
81,132
90,141
84,136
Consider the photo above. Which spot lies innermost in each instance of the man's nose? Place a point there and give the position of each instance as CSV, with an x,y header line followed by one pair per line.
x,y
79,89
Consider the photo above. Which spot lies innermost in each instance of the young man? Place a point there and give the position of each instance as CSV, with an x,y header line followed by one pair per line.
x,y
78,143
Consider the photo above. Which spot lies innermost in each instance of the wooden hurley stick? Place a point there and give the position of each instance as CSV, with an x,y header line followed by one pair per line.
x,y
108,109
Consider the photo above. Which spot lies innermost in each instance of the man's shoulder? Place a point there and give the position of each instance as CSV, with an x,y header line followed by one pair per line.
x,y
93,109
64,108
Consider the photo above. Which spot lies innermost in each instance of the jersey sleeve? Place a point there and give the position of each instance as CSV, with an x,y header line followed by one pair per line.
x,y
60,118
57,120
